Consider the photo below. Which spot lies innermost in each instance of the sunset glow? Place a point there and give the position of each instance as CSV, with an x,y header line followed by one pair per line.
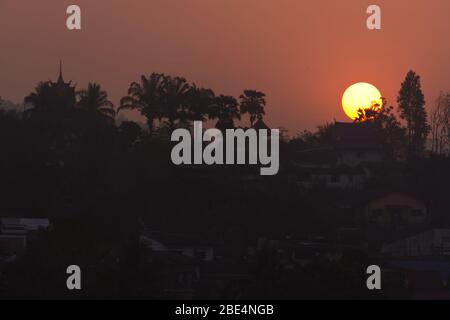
x,y
360,95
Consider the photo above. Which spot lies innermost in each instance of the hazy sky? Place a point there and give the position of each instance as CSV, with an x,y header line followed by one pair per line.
x,y
303,54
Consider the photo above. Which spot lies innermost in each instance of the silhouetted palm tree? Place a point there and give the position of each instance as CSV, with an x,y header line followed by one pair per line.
x,y
253,103
201,102
146,97
176,101
225,109
95,100
38,100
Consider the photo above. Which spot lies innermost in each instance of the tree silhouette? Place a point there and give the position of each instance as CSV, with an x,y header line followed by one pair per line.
x,y
253,102
411,104
146,97
225,109
200,102
321,138
440,125
370,113
391,133
176,101
129,133
172,100
94,100
39,100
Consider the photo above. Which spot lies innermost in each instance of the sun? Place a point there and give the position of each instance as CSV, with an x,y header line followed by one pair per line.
x,y
360,95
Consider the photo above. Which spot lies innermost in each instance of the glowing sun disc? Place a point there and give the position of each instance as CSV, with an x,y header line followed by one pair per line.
x,y
360,95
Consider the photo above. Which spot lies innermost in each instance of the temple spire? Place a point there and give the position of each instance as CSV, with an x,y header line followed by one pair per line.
x,y
60,78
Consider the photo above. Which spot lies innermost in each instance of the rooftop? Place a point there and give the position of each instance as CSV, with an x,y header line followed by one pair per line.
x,y
350,135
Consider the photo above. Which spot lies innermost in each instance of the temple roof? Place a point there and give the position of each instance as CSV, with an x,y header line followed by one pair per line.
x,y
60,82
60,78
355,135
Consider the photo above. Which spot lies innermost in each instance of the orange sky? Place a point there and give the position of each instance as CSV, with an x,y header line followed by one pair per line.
x,y
303,54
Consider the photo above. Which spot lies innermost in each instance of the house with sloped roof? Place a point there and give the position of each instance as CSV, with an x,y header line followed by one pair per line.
x,y
356,143
346,162
394,210
15,233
